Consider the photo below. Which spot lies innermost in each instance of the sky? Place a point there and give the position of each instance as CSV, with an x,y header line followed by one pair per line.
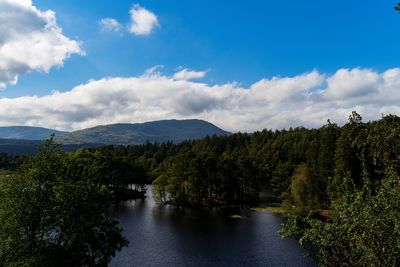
x,y
242,65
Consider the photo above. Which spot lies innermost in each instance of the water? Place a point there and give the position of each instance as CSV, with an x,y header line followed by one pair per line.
x,y
172,236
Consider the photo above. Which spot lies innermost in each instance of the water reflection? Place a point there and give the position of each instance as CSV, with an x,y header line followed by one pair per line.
x,y
176,236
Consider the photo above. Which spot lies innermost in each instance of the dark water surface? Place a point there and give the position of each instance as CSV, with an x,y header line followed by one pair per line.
x,y
172,236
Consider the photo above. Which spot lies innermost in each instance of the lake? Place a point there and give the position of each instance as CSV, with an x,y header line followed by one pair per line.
x,y
173,236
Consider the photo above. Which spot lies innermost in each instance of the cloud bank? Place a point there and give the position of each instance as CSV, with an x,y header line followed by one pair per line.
x,y
307,100
30,40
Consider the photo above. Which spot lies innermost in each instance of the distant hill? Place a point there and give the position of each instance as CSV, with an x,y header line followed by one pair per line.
x,y
27,133
139,133
24,139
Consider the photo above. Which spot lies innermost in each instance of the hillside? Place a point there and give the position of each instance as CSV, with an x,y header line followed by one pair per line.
x,y
139,133
27,132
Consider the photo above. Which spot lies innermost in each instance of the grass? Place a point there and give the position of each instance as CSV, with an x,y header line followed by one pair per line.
x,y
236,216
279,210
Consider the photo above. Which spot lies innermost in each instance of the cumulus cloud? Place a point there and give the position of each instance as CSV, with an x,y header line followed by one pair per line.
x,y
187,74
307,99
143,21
347,84
111,25
30,40
279,89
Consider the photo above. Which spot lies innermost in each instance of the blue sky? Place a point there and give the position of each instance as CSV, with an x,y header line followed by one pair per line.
x,y
239,41
276,57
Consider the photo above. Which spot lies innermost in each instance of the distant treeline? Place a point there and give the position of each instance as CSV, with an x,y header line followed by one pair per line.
x,y
10,162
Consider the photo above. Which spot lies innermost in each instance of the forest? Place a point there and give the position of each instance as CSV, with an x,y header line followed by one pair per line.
x,y
339,187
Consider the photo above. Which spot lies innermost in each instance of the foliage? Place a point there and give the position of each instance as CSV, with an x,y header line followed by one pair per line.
x,y
301,195
159,189
207,178
364,232
365,200
53,213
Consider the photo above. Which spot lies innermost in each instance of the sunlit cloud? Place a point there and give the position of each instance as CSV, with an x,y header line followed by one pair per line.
x,y
143,21
30,40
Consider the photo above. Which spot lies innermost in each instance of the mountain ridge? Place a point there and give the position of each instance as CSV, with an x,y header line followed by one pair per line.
x,y
114,134
139,133
27,132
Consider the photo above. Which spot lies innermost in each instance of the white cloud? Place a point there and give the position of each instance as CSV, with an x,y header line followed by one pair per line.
x,y
279,89
111,25
357,82
143,21
30,40
187,74
304,100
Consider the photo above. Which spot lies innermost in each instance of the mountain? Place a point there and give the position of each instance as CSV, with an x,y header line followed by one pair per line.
x,y
24,139
139,133
27,132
